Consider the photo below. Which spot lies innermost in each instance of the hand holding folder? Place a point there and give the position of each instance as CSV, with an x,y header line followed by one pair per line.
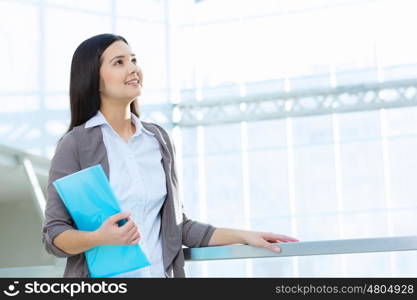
x,y
90,201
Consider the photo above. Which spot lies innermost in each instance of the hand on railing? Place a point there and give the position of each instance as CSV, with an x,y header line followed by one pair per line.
x,y
228,236
266,239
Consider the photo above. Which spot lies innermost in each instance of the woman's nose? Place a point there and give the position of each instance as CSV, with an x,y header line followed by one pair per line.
x,y
134,69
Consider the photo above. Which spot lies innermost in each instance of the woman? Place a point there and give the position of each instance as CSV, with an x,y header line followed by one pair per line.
x,y
139,161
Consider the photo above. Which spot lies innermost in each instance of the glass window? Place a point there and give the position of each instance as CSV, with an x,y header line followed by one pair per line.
x,y
403,162
362,176
189,141
401,122
19,32
191,188
91,5
319,266
58,102
222,138
59,50
268,183
19,105
395,47
359,126
224,191
144,9
368,265
148,41
315,180
227,268
313,130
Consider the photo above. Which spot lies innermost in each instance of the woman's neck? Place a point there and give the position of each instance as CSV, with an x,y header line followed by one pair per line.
x,y
119,118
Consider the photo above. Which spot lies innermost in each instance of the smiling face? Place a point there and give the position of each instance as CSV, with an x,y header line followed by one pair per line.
x,y
120,77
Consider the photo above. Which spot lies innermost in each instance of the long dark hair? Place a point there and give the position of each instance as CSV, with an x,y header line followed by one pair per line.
x,y
85,78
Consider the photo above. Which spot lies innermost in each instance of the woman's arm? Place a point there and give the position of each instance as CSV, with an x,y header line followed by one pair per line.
x,y
57,219
76,241
59,234
110,233
227,236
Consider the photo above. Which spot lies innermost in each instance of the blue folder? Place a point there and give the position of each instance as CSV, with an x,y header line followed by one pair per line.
x,y
90,201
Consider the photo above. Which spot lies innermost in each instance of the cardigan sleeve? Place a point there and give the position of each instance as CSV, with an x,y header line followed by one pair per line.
x,y
196,234
57,219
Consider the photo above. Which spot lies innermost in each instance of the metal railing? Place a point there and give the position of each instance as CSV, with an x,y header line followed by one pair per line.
x,y
346,246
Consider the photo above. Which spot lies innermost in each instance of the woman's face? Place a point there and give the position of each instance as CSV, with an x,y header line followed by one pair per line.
x,y
120,76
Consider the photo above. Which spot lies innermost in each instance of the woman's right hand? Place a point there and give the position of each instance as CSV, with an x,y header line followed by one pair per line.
x,y
110,233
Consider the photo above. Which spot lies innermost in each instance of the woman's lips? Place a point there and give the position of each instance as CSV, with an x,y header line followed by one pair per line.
x,y
134,83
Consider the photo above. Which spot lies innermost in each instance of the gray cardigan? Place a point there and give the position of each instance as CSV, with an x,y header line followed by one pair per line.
x,y
84,147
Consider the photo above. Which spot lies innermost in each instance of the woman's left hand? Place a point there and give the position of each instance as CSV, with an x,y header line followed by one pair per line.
x,y
266,239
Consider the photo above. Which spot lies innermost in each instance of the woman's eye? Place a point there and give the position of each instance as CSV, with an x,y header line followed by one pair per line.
x,y
121,61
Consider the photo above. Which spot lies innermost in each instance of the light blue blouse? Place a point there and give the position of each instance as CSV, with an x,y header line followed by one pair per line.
x,y
137,178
